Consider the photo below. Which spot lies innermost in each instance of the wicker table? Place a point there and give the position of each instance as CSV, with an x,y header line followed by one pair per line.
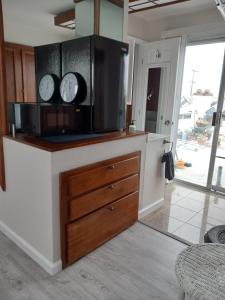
x,y
200,270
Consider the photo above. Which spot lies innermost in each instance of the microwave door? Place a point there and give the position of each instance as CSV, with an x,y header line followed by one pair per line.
x,y
49,120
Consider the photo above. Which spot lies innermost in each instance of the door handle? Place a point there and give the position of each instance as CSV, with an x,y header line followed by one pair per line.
x,y
216,118
167,122
111,187
111,167
149,97
110,208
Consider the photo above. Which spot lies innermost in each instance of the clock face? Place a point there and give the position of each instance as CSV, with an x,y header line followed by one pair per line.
x,y
69,87
46,87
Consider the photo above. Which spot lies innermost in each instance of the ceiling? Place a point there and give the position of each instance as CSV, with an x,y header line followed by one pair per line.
x,y
182,8
31,22
27,20
40,6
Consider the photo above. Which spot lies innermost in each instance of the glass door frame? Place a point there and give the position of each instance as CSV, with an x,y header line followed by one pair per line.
x,y
218,118
209,186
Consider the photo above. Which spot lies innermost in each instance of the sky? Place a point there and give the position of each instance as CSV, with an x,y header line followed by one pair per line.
x,y
207,60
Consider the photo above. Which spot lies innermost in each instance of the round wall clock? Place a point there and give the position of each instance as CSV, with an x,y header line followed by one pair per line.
x,y
48,86
72,88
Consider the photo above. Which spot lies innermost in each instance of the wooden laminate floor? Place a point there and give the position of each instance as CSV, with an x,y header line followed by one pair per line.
x,y
136,265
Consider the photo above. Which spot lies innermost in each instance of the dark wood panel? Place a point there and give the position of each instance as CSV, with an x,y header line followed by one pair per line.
x,y
14,76
95,229
3,105
119,3
97,17
96,177
19,46
29,83
83,205
20,73
19,76
10,75
128,115
44,145
2,166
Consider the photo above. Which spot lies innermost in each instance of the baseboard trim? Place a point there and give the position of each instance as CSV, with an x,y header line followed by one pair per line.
x,y
48,266
150,208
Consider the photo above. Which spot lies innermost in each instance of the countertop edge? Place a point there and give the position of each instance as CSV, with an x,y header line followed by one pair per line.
x,y
54,147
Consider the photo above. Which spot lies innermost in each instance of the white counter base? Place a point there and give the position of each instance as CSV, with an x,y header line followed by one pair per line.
x,y
29,209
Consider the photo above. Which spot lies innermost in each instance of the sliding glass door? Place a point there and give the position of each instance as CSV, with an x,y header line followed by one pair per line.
x,y
200,149
216,177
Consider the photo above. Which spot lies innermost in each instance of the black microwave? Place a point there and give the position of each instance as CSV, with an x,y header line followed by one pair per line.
x,y
42,119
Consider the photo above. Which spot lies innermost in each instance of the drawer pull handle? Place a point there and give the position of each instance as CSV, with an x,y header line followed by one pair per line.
x,y
111,187
111,167
111,208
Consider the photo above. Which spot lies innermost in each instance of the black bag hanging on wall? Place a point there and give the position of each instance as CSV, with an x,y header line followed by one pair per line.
x,y
169,167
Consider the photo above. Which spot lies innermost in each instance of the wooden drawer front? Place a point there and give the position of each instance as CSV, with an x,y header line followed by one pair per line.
x,y
89,202
93,230
100,176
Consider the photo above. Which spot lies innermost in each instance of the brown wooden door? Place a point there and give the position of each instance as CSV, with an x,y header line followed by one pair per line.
x,y
28,64
14,80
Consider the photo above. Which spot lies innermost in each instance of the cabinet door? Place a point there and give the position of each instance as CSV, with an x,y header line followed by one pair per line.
x,y
95,229
76,58
110,73
14,81
47,60
28,64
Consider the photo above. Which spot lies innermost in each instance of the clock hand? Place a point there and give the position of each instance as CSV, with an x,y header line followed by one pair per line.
x,y
46,91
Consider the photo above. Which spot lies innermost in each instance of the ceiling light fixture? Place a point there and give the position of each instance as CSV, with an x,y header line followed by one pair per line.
x,y
66,19
142,5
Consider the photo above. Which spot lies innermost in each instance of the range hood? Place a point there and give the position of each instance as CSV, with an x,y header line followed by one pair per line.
x,y
101,17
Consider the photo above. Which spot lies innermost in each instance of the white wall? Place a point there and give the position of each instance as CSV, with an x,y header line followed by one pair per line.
x,y
26,206
138,27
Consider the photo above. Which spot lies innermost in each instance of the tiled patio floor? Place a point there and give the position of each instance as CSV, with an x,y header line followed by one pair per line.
x,y
187,213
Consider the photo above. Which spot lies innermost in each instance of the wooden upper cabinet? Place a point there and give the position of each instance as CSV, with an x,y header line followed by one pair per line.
x,y
20,73
10,74
14,84
28,64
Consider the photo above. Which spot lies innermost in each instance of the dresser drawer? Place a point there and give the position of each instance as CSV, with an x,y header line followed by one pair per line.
x,y
98,176
93,230
89,202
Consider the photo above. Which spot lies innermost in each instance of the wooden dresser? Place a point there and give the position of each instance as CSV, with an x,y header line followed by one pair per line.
x,y
98,201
